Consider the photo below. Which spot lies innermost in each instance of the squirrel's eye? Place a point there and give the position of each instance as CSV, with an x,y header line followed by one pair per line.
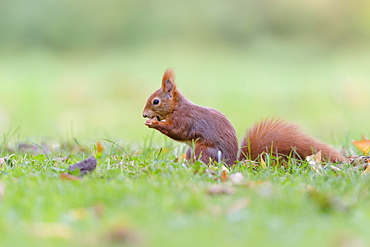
x,y
156,102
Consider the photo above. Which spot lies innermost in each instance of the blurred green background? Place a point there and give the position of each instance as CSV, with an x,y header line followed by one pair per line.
x,y
84,69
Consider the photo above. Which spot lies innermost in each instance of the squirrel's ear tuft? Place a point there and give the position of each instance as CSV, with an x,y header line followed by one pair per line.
x,y
168,80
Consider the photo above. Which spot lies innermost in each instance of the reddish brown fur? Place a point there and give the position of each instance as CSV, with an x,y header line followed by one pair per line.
x,y
208,131
169,74
284,139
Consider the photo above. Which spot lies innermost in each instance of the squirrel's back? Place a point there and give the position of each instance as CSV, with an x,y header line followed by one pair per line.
x,y
282,138
210,129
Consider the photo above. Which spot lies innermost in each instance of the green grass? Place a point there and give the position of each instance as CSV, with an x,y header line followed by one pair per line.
x,y
141,197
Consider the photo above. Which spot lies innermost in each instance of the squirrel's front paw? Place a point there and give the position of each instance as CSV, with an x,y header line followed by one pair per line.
x,y
151,122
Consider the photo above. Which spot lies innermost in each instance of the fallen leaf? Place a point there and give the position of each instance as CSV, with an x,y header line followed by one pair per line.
x,y
214,171
314,161
67,176
359,161
220,190
237,178
314,158
85,166
99,147
363,145
223,176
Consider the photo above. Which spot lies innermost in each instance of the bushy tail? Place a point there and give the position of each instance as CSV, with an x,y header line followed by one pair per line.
x,y
284,139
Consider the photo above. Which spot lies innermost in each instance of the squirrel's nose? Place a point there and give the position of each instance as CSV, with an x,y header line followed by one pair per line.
x,y
144,115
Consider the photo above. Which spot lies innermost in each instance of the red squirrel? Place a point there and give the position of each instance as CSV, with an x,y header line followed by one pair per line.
x,y
211,136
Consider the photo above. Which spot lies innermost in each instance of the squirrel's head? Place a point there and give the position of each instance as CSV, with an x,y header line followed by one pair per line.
x,y
163,101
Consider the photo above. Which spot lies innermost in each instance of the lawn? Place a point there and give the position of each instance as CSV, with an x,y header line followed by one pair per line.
x,y
144,198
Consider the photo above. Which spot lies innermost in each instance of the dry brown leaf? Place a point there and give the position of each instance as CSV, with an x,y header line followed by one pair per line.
x,y
315,158
223,176
220,190
67,176
86,166
363,145
314,161
99,147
